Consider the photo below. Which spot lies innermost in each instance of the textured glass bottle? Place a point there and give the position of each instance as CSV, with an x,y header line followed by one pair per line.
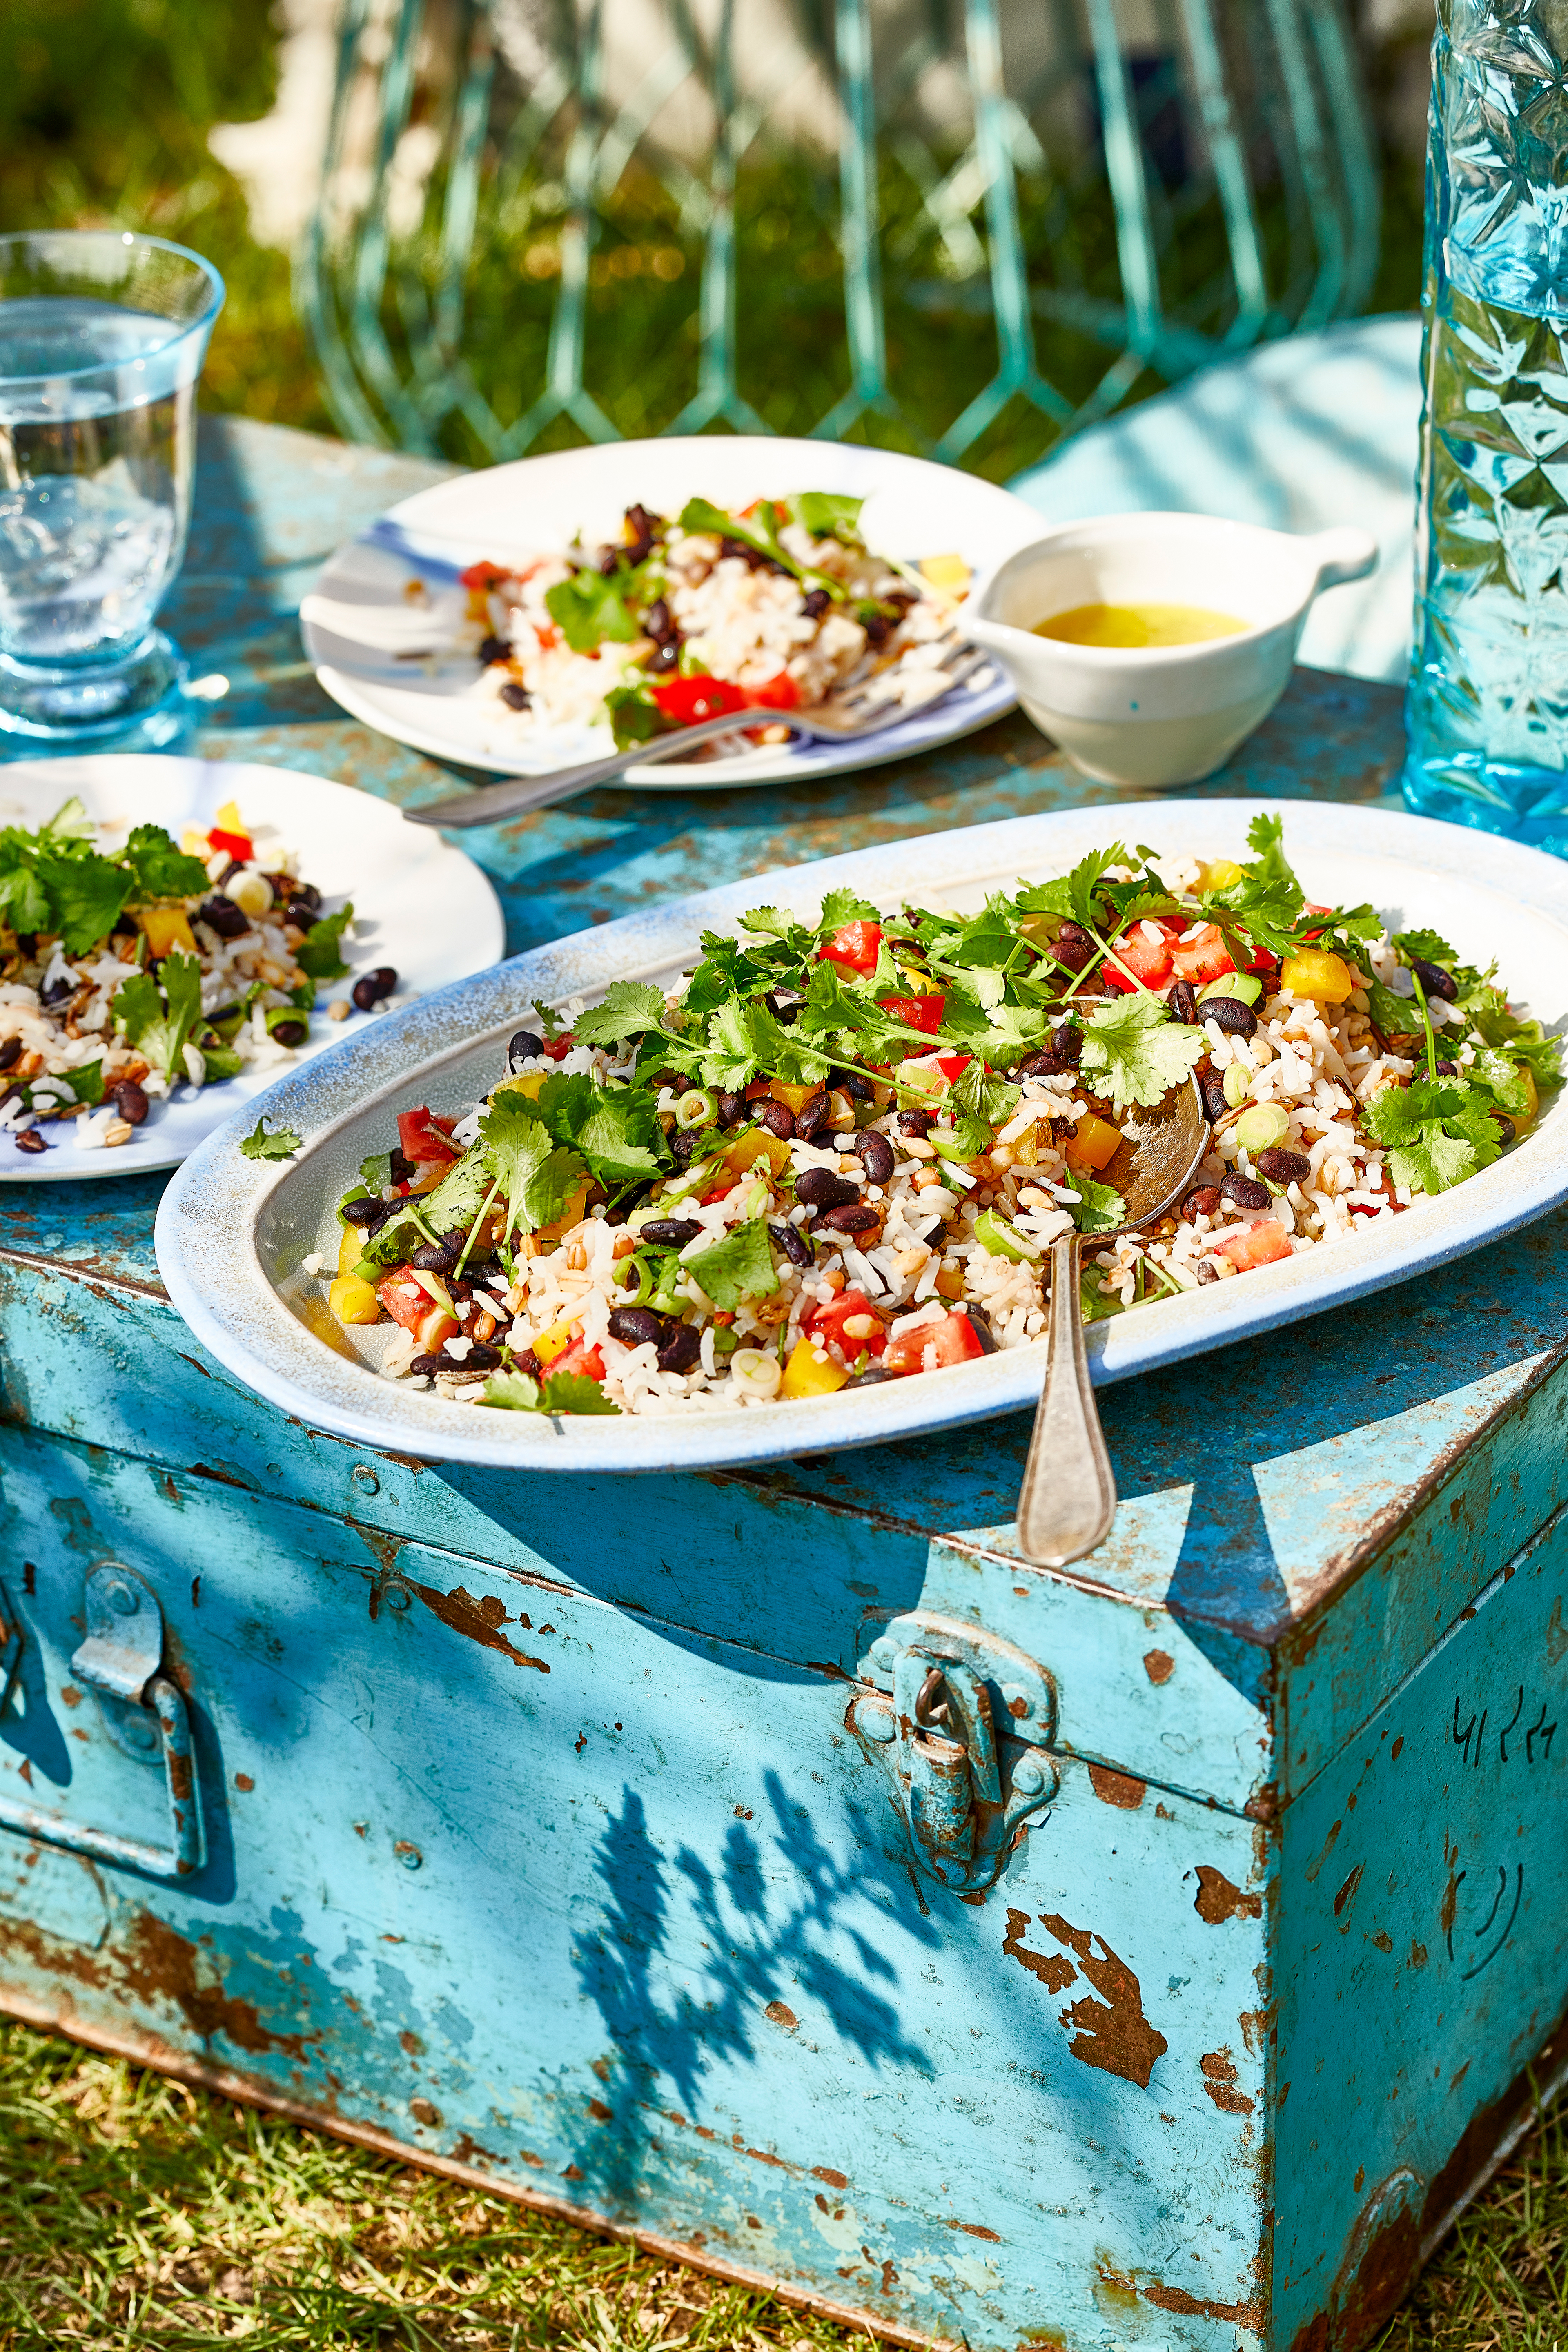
x,y
1488,709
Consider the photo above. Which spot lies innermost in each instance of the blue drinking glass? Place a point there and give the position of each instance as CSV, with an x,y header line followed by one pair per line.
x,y
102,336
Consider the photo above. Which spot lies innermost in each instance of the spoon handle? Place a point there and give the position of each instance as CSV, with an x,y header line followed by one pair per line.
x,y
1069,1496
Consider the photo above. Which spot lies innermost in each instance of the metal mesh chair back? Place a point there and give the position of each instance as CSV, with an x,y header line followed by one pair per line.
x,y
961,229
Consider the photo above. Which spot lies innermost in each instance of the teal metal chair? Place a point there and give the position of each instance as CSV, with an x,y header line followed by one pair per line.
x,y
1027,214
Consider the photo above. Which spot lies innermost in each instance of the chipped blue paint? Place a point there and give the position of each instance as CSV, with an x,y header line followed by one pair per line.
x,y
538,1838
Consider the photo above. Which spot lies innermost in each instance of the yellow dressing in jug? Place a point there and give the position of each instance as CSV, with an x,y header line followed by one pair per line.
x,y
1139,624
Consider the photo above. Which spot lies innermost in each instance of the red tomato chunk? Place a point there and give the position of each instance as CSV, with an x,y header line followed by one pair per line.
x,y
932,1347
826,1324
915,1012
1204,959
856,945
1148,961
423,1136
1251,1246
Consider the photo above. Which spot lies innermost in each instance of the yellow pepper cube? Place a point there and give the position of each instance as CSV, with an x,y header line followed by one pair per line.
x,y
756,1143
528,1085
793,1098
811,1371
946,572
354,1301
1220,873
350,1249
1092,1144
554,1342
1326,979
165,929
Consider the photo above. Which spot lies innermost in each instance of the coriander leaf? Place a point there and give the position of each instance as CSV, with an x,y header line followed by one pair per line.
x,y
457,1198
616,1128
1436,1131
1498,1071
827,515
635,715
1135,1054
1089,870
160,869
1394,1016
160,1015
774,923
222,1063
841,906
86,1081
1266,834
319,952
561,1392
280,1144
1097,1299
739,1266
87,895
376,1173
631,1008
589,609
23,901
1100,1208
1424,946
550,1022
984,1104
69,823
537,1178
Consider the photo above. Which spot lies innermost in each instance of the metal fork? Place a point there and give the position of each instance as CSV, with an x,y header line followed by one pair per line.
x,y
849,719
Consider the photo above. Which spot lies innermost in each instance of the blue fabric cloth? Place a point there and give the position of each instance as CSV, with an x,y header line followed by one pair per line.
x,y
1300,434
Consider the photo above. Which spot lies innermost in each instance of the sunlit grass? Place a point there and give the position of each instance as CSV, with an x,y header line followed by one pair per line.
x,y
134,2212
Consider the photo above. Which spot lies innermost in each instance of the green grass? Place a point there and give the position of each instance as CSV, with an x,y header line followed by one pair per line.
x,y
135,2212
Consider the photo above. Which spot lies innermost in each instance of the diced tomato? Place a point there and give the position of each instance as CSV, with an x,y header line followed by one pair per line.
x,y
579,1358
404,1298
780,693
424,1137
759,1090
557,1048
1249,1246
233,844
719,1192
827,1323
953,1341
857,945
1147,962
915,1012
482,576
1204,959
687,700
954,1066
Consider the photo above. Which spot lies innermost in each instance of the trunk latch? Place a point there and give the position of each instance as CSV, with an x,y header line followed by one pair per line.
x,y
961,1721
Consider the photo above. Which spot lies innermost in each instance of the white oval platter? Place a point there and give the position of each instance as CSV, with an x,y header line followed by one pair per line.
x,y
419,905
358,619
231,1233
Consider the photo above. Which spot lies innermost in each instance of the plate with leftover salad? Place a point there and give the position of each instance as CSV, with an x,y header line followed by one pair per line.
x,y
778,1169
176,932
526,618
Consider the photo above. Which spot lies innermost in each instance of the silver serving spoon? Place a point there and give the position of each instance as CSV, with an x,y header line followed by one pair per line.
x,y
1068,1500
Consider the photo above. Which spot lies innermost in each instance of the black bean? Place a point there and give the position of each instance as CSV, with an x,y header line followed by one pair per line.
x,y
1183,1001
401,1166
363,1212
1246,1192
855,1083
777,1117
1506,1127
1282,1166
871,1377
793,1244
783,1004
298,894
1040,1065
663,658
980,1324
657,621
431,1365
304,918
670,1233
10,1053
494,649
523,1046
1066,1042
914,1122
875,1155
1201,1202
1071,954
1436,981
1212,1087
683,1143
31,1140
1229,1014
1206,1272
731,1106
1075,935
682,1350
608,557
515,697
441,1257
819,1188
931,1235
58,991
814,602
372,986
636,1326
1448,1069
856,1218
812,1117
642,523
289,1032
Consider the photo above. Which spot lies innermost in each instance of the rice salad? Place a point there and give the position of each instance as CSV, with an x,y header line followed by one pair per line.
x,y
773,607
840,1152
129,970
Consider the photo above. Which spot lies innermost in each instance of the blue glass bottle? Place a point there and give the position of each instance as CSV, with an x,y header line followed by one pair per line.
x,y
1487,708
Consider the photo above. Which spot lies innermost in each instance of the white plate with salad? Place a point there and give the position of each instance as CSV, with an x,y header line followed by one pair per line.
x,y
174,932
777,1168
523,617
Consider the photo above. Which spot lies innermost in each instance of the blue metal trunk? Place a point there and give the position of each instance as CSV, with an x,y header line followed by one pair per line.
x,y
550,1832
